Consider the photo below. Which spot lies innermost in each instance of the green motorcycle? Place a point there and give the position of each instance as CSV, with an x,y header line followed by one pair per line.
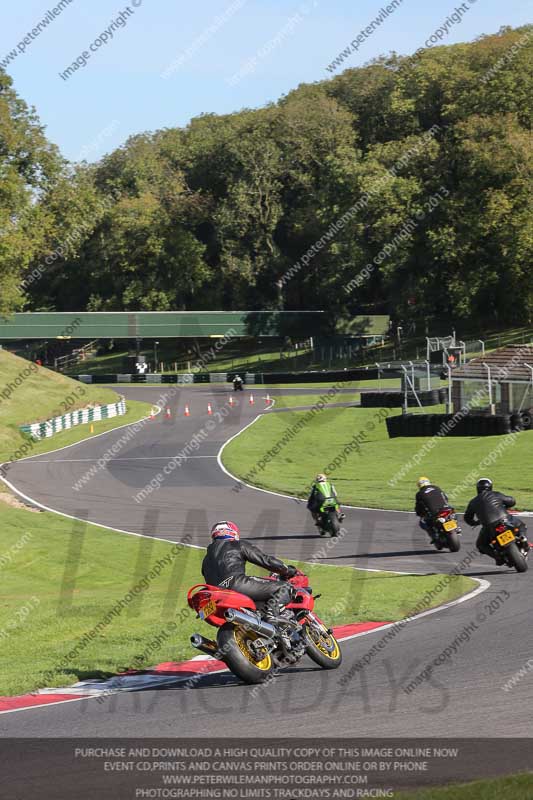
x,y
330,518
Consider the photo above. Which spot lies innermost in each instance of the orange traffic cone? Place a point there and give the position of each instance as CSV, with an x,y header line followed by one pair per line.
x,y
209,409
251,400
268,400
187,412
152,414
167,413
231,401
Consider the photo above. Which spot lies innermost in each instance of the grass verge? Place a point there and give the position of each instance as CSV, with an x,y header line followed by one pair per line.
x,y
384,383
61,579
516,787
32,394
378,472
294,400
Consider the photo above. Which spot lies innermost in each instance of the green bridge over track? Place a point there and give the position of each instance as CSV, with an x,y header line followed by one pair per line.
x,y
160,324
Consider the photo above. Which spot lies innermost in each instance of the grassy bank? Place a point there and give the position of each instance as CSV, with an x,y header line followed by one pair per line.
x,y
517,787
33,394
60,579
294,400
383,383
362,476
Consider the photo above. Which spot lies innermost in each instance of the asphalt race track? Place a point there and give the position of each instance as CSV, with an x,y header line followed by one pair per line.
x,y
463,699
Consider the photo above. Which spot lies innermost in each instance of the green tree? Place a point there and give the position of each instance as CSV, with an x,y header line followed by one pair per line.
x,y
286,205
29,164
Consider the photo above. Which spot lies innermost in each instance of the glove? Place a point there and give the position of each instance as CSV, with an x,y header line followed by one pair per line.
x,y
290,571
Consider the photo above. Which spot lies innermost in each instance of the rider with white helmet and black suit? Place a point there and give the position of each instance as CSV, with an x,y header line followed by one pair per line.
x,y
490,508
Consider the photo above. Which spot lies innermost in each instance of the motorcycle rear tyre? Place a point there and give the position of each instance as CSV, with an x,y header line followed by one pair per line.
x,y
232,641
454,543
334,524
515,558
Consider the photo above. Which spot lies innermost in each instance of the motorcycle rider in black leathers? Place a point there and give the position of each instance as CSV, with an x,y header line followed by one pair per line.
x,y
224,565
429,500
490,508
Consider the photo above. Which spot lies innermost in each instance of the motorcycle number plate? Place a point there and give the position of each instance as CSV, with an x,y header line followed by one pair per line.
x,y
209,608
506,537
450,526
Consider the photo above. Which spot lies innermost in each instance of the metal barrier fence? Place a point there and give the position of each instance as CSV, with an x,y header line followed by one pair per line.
x,y
42,430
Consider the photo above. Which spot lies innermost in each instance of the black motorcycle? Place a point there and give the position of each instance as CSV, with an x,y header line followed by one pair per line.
x,y
238,384
445,530
511,544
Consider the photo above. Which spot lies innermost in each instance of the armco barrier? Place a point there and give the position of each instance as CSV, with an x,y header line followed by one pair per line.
x,y
226,377
42,430
147,378
316,376
448,425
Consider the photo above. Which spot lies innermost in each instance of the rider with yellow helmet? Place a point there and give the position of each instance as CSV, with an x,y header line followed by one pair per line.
x,y
429,501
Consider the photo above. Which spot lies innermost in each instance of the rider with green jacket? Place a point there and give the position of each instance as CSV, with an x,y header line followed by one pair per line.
x,y
321,491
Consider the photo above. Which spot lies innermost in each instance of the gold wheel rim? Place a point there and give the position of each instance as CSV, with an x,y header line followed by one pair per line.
x,y
242,638
326,643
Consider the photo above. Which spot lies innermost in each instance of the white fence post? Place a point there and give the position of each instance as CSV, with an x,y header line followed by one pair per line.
x,y
491,404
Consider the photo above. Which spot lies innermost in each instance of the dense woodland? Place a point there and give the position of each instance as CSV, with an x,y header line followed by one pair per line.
x,y
217,215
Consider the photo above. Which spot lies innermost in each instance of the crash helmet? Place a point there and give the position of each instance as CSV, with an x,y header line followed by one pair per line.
x,y
225,530
423,481
484,485
320,478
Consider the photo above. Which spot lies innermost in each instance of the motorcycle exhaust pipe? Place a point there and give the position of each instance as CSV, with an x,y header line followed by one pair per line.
x,y
204,645
254,624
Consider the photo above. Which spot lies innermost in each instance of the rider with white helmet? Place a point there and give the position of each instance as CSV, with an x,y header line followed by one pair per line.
x,y
322,490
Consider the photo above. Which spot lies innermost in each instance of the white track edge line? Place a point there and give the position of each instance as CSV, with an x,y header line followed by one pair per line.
x,y
91,460
480,589
106,693
293,497
483,586
97,524
279,494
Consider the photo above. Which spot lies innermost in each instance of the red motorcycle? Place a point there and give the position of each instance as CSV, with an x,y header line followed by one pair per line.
x,y
446,530
252,647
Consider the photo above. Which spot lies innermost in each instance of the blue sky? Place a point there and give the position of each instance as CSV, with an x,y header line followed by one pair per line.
x,y
172,60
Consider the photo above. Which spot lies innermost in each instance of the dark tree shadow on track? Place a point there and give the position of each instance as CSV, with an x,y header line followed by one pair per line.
x,y
494,571
224,680
281,538
383,555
